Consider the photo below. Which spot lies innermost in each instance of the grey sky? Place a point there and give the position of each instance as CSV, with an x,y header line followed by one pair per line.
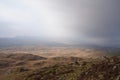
x,y
73,21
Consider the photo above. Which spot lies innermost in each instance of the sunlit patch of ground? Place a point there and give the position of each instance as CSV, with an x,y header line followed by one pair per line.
x,y
57,51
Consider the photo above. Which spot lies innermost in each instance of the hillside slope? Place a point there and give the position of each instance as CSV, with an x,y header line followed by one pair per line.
x,y
58,68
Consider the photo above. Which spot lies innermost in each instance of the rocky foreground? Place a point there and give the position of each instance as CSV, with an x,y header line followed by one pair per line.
x,y
33,67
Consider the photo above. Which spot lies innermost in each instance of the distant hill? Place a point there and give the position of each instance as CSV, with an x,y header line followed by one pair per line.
x,y
28,41
42,41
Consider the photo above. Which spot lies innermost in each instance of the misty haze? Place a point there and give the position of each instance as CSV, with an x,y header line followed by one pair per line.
x,y
59,40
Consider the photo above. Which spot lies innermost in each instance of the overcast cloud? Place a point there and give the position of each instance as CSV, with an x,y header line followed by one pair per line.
x,y
74,21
